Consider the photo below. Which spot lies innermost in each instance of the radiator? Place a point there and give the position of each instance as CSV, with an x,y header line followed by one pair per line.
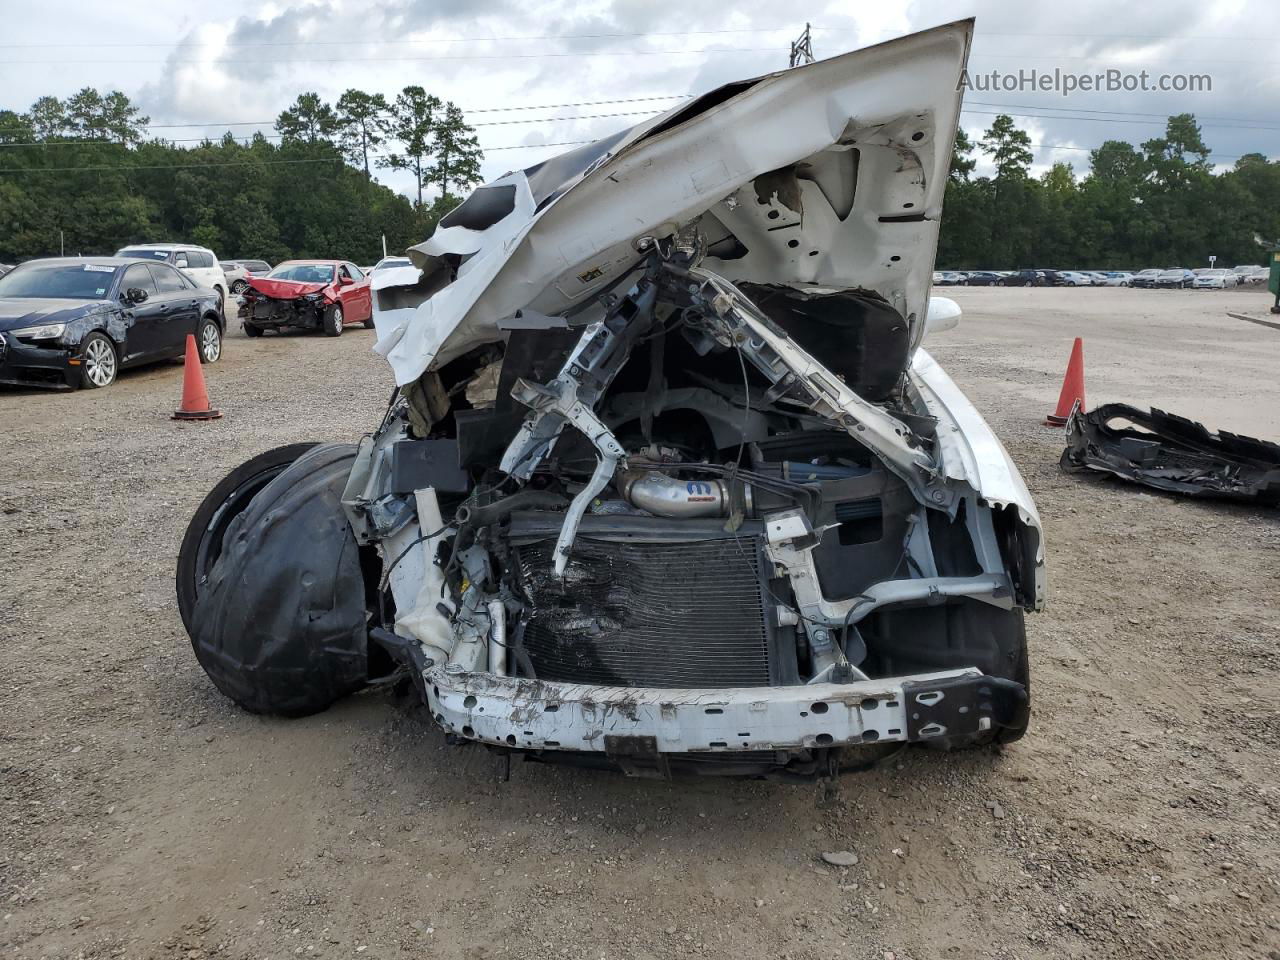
x,y
648,614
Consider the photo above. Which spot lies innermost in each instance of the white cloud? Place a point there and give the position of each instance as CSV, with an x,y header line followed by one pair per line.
x,y
239,61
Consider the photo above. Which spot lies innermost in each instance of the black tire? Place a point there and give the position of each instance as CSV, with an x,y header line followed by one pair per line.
x,y
251,331
281,624
202,543
333,320
99,361
209,340
239,286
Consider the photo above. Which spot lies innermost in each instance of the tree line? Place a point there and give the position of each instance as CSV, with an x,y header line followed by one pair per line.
x,y
81,175
1157,204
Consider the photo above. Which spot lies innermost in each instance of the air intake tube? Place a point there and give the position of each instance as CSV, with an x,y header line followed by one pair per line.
x,y
665,496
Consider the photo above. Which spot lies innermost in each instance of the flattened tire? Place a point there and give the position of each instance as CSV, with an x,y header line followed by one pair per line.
x,y
202,543
281,625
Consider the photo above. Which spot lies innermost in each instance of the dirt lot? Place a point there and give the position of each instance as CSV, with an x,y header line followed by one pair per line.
x,y
142,815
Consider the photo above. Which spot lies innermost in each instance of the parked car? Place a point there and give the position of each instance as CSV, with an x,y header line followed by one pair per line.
x,y
1024,278
950,278
789,582
1215,280
237,275
257,268
323,295
1117,278
1260,275
198,263
1073,278
1145,278
388,262
1245,270
1179,277
72,322
985,278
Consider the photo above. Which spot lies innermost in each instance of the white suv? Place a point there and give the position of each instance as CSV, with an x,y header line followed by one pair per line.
x,y
198,263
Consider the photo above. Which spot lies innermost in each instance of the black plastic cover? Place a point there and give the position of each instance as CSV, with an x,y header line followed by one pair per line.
x,y
427,463
281,625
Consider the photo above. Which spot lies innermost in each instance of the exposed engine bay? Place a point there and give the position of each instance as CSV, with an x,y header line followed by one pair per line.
x,y
667,483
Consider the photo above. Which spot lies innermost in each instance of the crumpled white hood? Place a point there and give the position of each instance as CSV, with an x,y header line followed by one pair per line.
x,y
831,174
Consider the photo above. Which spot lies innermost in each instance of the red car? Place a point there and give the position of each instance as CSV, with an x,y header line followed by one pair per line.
x,y
312,294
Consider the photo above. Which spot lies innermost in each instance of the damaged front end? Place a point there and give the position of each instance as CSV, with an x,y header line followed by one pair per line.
x,y
261,311
669,484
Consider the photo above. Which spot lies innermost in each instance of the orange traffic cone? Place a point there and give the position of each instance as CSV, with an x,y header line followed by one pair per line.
x,y
1072,388
195,398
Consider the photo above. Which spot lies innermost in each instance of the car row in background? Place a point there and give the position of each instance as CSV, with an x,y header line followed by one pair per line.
x,y
1201,278
70,322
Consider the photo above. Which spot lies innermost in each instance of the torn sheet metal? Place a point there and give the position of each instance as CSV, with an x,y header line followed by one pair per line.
x,y
830,174
1172,453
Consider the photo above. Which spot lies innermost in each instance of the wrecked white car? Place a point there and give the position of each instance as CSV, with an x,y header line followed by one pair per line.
x,y
668,483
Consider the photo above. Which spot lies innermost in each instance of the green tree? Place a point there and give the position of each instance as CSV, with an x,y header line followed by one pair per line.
x,y
363,123
413,122
309,120
457,152
48,118
962,164
1008,147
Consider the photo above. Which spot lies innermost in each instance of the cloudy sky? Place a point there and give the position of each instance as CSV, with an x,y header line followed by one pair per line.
x,y
530,73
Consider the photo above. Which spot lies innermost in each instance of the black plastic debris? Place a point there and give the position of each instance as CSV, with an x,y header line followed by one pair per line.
x,y
1172,453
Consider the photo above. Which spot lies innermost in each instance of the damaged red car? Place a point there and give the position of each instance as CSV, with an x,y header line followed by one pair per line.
x,y
309,294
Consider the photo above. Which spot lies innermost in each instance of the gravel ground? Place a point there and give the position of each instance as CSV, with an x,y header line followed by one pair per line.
x,y
142,815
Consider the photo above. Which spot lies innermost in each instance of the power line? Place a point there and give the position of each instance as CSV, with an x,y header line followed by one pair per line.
x,y
980,34
1160,123
1121,113
380,42
277,136
539,106
448,58
126,168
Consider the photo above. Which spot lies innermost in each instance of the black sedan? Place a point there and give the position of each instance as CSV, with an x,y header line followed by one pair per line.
x,y
985,278
76,322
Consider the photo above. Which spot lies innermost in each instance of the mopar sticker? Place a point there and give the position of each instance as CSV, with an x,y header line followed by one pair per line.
x,y
698,491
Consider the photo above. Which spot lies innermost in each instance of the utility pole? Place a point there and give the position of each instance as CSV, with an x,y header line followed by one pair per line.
x,y
802,49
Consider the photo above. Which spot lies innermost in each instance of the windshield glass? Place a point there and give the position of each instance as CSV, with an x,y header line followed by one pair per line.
x,y
60,281
393,262
143,254
303,272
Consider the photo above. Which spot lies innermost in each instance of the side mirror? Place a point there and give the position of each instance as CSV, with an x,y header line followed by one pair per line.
x,y
135,295
943,314
344,280
181,264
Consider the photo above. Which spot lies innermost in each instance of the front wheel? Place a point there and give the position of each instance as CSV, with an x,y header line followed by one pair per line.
x,y
209,340
99,361
239,286
333,321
